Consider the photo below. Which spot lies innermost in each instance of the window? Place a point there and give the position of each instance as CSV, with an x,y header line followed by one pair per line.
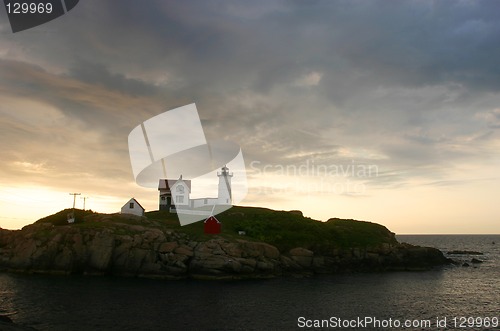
x,y
162,198
206,201
179,199
180,189
131,205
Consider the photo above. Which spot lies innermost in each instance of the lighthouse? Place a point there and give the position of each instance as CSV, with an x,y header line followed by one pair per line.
x,y
225,196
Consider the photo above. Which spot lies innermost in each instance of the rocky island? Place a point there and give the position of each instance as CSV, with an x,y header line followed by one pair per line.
x,y
275,243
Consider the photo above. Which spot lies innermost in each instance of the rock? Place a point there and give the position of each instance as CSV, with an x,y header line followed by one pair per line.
x,y
465,264
64,260
218,251
246,269
167,247
303,261
153,234
145,251
265,266
101,250
474,260
270,251
358,253
318,261
179,258
256,249
176,270
458,252
288,263
249,264
299,251
384,249
138,228
135,259
22,254
136,241
184,250
234,266
210,265
232,249
150,268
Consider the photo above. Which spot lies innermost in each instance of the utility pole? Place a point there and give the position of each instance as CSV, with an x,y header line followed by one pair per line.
x,y
84,198
74,202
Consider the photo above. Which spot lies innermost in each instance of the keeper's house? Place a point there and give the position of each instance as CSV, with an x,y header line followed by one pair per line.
x,y
133,207
175,194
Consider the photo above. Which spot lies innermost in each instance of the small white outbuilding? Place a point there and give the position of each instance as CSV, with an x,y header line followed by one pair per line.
x,y
133,207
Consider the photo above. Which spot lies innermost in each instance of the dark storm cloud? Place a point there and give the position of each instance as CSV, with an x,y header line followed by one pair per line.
x,y
98,74
359,44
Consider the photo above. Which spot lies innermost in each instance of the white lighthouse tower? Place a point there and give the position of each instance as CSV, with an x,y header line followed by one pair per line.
x,y
225,196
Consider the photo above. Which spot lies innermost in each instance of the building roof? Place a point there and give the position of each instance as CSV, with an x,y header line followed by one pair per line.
x,y
211,219
166,184
134,200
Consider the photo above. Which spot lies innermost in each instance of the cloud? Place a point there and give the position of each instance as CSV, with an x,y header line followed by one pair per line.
x,y
311,79
445,183
411,86
98,74
62,130
492,118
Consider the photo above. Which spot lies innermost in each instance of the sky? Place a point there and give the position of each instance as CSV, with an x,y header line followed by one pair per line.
x,y
385,111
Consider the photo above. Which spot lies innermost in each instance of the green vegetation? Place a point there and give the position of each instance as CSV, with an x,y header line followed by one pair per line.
x,y
61,218
283,229
286,229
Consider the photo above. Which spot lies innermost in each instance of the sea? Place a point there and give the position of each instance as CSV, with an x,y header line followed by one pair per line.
x,y
454,297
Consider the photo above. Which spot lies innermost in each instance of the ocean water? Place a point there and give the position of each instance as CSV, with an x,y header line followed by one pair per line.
x,y
467,297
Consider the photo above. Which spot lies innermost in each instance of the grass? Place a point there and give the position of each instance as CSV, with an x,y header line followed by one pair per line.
x,y
287,230
283,229
61,218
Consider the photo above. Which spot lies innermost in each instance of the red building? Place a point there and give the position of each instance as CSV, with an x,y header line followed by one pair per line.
x,y
212,225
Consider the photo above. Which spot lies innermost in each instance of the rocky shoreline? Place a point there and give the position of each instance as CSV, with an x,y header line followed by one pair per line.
x,y
6,324
155,252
